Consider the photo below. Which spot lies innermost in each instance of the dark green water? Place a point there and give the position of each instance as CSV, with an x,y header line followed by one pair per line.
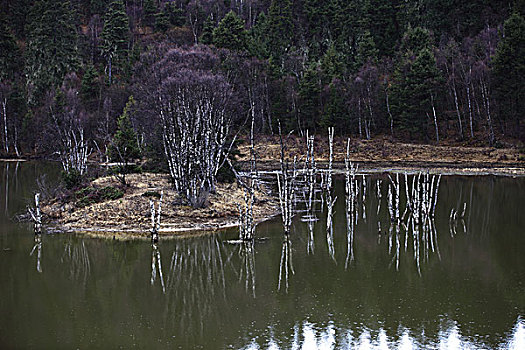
x,y
467,290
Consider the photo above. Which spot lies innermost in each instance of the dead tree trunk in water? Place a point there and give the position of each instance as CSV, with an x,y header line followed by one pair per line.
x,y
286,186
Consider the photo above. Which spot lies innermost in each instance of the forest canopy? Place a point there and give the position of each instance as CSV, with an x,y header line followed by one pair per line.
x,y
414,70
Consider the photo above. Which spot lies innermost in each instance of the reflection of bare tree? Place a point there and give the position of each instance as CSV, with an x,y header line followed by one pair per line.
x,y
417,220
286,264
195,280
247,270
38,248
329,225
352,214
77,258
156,265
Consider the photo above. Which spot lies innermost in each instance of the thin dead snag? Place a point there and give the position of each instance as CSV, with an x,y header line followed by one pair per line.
x,y
36,217
286,180
330,202
351,204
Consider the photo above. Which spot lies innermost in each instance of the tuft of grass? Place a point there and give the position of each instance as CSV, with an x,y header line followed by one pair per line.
x,y
91,195
151,194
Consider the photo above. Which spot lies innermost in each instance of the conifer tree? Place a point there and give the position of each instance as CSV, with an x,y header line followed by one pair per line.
x,y
51,47
124,147
115,38
416,81
509,73
230,33
88,87
9,52
309,98
207,31
279,29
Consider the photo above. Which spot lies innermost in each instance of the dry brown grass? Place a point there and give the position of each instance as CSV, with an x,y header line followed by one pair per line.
x,y
130,215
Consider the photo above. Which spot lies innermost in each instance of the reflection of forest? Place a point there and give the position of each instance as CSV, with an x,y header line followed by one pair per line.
x,y
220,295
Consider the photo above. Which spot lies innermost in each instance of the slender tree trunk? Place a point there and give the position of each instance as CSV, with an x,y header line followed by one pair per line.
x,y
486,102
4,110
460,124
359,116
389,113
109,67
435,117
470,113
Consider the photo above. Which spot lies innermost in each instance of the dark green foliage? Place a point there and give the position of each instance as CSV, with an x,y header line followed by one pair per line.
x,y
415,40
115,38
148,12
332,64
509,73
162,21
309,98
91,195
207,31
415,85
175,14
9,53
230,33
279,29
335,112
124,147
153,194
72,179
89,87
385,20
366,49
51,48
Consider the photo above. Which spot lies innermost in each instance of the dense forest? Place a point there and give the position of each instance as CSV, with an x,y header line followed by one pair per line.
x,y
97,74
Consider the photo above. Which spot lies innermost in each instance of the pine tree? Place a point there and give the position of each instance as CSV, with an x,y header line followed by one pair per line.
x,y
332,64
51,48
207,31
414,91
148,12
279,29
230,33
89,86
509,73
309,98
115,38
366,49
124,147
9,52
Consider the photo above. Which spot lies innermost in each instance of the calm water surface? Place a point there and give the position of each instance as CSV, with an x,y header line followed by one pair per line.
x,y
460,287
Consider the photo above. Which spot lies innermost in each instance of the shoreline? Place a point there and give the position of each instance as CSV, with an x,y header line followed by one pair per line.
x,y
128,217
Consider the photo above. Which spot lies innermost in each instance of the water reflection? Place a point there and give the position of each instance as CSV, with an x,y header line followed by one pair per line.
x,y
406,283
156,265
76,258
286,265
37,247
194,283
309,335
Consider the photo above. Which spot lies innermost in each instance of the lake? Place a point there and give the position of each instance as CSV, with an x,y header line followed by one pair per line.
x,y
459,285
